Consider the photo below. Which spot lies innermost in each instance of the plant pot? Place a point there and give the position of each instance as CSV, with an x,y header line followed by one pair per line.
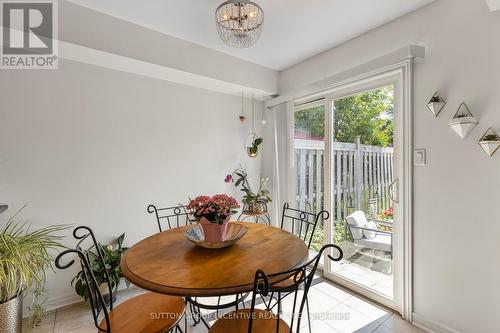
x,y
11,315
103,288
252,152
214,232
257,207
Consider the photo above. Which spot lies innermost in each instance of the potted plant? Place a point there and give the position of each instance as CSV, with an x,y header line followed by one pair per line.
x,y
463,122
254,202
436,104
253,148
111,254
490,142
213,214
25,255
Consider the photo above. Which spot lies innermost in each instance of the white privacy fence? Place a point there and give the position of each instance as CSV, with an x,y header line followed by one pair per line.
x,y
361,176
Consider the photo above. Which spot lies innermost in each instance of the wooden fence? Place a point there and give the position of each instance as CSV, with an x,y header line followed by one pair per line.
x,y
361,176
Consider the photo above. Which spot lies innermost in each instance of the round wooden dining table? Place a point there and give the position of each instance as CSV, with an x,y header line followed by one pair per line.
x,y
170,264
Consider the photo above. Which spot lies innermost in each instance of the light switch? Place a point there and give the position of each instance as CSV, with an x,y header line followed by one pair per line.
x,y
419,157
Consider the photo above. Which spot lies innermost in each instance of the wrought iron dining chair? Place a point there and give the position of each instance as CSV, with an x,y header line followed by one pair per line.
x,y
149,312
175,217
301,223
171,217
251,320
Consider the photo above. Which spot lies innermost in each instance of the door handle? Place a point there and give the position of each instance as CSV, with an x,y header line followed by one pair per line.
x,y
394,187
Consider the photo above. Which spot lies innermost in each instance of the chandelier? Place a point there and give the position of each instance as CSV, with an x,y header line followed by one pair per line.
x,y
239,22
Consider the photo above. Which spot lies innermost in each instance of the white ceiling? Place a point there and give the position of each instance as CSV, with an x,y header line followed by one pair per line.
x,y
294,30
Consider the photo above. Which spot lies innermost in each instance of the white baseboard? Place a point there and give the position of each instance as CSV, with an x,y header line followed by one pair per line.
x,y
56,303
431,326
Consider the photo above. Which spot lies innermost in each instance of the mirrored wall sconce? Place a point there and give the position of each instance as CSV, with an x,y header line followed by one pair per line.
x,y
490,142
463,122
436,104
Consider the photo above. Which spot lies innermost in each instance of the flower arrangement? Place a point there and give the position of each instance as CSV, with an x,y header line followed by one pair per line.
x,y
215,209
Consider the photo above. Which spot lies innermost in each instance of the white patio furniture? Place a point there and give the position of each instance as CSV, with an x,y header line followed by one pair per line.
x,y
365,232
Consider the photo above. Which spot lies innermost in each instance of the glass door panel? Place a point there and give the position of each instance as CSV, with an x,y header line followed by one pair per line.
x,y
309,143
362,173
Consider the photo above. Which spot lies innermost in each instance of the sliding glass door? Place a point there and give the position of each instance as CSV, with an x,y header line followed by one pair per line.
x,y
345,152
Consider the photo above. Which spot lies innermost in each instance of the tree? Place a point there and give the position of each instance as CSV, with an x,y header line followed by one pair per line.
x,y
368,115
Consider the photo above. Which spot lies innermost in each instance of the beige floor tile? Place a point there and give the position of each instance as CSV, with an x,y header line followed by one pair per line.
x,y
383,329
370,310
332,290
349,320
398,325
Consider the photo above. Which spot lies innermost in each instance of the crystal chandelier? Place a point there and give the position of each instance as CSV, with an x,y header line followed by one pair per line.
x,y
239,22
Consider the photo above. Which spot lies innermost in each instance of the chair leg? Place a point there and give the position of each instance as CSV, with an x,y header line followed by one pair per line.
x,y
308,315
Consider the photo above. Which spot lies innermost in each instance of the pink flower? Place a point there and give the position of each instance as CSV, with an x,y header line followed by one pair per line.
x,y
215,209
229,179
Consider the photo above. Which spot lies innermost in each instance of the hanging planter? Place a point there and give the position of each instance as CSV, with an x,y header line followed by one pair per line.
x,y
490,142
253,141
252,145
436,104
463,122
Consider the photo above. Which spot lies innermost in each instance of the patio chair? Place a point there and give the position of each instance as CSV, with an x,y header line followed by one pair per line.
x,y
368,235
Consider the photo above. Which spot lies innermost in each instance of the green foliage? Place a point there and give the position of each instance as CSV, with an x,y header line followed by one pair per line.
x,y
338,235
25,255
112,254
261,196
491,137
255,146
368,115
435,99
37,310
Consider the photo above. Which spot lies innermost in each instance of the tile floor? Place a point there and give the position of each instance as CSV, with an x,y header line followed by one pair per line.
x,y
335,311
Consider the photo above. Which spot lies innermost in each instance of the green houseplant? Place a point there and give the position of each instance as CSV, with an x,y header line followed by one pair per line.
x,y
25,256
253,148
255,202
112,254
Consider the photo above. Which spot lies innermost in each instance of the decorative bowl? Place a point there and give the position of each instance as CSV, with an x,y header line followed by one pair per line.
x,y
235,232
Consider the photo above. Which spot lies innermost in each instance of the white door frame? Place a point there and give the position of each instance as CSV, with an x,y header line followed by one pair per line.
x,y
399,74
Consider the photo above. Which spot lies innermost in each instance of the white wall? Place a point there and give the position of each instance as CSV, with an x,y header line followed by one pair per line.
x,y
456,196
87,145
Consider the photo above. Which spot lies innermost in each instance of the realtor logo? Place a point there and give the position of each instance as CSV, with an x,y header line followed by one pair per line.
x,y
29,34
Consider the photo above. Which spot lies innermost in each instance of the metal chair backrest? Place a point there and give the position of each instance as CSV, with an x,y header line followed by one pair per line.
x,y
171,217
302,278
303,224
87,257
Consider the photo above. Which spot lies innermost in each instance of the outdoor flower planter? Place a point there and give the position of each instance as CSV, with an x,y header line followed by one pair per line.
x,y
463,122
436,104
490,142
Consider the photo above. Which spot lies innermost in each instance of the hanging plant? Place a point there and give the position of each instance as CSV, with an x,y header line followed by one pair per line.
x,y
254,148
